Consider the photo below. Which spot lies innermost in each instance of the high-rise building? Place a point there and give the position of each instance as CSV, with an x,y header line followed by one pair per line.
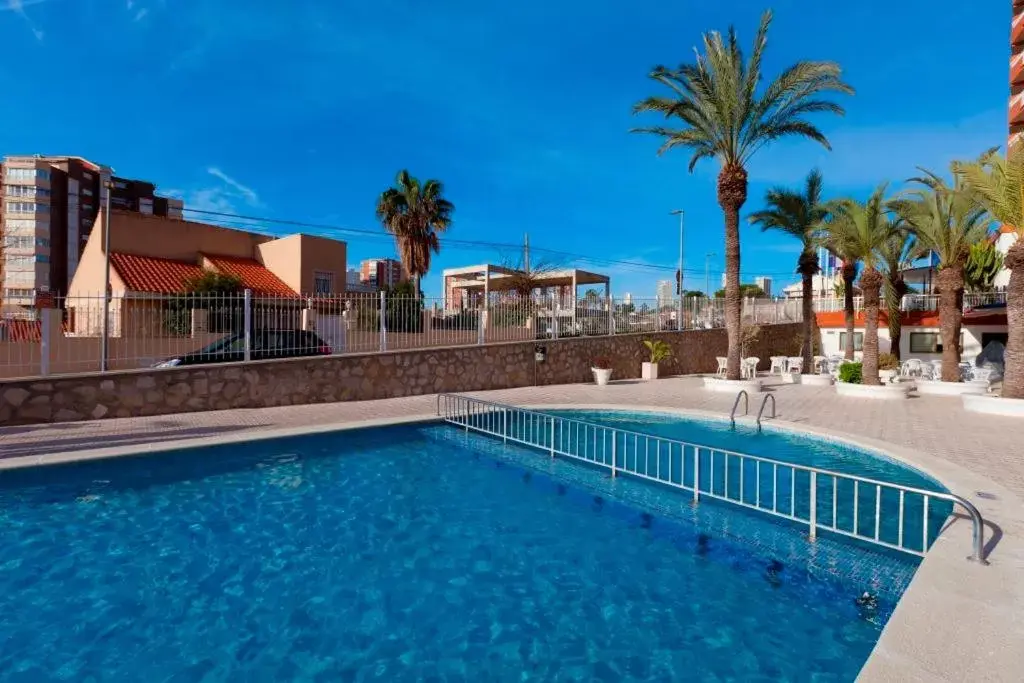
x,y
1017,72
665,289
49,207
381,272
765,283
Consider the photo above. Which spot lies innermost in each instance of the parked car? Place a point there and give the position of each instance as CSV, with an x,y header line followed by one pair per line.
x,y
264,344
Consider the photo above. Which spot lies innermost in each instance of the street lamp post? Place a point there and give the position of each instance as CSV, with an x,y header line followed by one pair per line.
x,y
104,351
679,320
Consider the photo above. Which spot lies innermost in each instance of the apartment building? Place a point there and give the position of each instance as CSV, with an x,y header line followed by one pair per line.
x,y
381,272
49,206
1016,72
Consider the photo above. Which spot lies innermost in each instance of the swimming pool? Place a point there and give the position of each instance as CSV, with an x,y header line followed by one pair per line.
x,y
411,553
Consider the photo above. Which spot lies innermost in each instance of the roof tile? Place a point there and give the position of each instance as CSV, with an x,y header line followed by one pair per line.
x,y
253,275
154,275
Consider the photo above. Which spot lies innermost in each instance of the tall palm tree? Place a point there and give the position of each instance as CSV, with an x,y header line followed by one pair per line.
x,y
415,213
946,221
722,111
800,214
895,255
998,184
860,230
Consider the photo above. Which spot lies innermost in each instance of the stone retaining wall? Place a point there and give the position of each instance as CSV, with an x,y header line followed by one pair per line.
x,y
362,377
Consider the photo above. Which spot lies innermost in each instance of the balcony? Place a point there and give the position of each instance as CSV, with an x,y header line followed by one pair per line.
x,y
1017,109
1017,29
1017,69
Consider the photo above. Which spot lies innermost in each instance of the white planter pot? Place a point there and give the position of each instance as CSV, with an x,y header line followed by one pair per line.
x,y
601,376
883,391
994,405
792,378
816,380
886,375
937,388
731,386
649,371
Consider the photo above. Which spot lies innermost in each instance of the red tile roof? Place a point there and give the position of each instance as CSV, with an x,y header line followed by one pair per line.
x,y
154,275
23,330
253,275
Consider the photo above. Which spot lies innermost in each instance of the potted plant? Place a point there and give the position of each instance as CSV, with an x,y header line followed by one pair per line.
x,y
602,370
659,351
887,367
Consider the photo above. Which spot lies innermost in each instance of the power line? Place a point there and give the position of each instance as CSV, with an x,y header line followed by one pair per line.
x,y
221,218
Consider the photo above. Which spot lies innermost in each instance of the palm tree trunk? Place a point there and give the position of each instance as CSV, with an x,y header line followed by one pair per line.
x,y
807,349
871,285
950,283
894,291
732,193
1013,373
849,274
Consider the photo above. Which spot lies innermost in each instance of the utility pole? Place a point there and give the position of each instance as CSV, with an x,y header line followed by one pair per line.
x,y
104,351
679,284
526,252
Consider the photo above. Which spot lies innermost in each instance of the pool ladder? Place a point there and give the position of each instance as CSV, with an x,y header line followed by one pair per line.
x,y
746,407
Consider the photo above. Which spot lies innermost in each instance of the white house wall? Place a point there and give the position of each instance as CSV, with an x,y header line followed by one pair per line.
x,y
971,334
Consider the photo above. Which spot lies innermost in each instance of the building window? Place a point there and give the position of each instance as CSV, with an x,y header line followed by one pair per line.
x,y
87,192
323,282
19,242
928,342
858,341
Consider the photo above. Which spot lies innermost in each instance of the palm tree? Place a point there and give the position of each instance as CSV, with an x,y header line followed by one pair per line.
x,y
415,213
723,112
895,255
859,231
997,182
800,214
946,221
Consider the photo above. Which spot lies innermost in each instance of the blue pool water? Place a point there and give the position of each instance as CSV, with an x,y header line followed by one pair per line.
x,y
411,553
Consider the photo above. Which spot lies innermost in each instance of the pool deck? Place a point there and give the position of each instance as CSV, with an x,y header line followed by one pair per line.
x,y
958,620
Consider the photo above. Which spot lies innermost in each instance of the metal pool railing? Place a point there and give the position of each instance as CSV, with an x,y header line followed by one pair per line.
x,y
898,517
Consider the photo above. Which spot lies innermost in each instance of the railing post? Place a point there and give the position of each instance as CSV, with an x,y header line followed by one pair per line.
x,y
382,314
813,532
480,325
611,315
554,315
504,424
247,322
614,447
552,437
696,472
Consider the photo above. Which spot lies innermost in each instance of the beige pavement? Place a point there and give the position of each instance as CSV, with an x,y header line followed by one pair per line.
x,y
957,621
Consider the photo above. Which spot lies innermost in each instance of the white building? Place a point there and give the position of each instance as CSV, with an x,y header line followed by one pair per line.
x,y
664,292
765,283
1005,239
627,298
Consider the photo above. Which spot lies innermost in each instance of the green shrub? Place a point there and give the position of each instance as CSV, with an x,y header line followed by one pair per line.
x,y
658,349
851,373
887,361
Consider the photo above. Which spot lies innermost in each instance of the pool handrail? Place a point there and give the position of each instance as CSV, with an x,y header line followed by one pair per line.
x,y
462,411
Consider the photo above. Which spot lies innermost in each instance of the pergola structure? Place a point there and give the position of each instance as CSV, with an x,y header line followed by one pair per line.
x,y
487,278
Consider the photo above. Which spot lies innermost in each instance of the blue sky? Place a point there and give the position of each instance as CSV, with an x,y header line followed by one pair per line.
x,y
305,110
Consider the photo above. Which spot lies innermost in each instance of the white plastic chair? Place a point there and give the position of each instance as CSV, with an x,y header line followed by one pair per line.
x,y
778,364
820,364
750,367
936,369
911,367
723,366
795,365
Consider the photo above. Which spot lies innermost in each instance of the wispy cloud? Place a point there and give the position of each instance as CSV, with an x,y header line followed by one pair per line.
x,y
225,196
141,14
245,191
18,7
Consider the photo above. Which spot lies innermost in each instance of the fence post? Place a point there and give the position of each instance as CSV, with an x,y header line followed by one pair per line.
x,y
554,315
611,315
382,314
49,327
614,446
480,325
813,533
696,470
247,321
552,437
